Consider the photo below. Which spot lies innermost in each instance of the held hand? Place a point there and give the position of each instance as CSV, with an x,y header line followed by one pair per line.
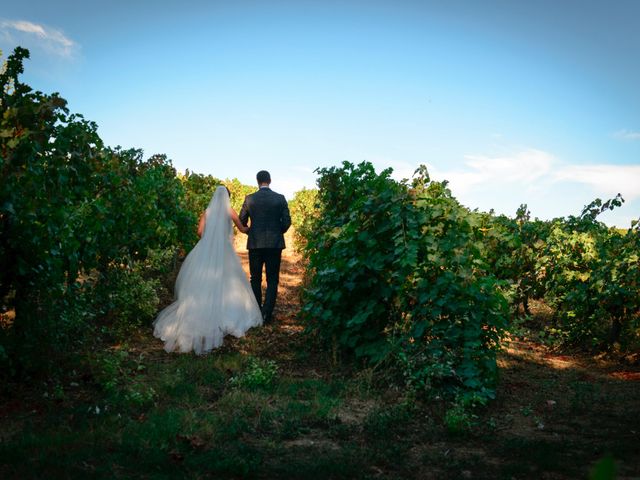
x,y
201,224
234,216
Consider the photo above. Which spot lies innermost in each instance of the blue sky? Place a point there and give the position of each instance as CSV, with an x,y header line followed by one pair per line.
x,y
511,101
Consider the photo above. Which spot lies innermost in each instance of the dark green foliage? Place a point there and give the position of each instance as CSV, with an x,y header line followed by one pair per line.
x,y
398,269
71,211
512,248
85,230
592,278
351,253
127,299
604,469
588,273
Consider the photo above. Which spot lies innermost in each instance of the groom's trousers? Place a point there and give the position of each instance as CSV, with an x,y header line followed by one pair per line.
x,y
270,259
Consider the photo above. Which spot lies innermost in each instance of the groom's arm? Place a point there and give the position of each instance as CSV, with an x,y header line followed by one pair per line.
x,y
244,213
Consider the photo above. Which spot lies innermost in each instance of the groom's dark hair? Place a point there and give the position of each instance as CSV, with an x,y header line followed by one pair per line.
x,y
263,177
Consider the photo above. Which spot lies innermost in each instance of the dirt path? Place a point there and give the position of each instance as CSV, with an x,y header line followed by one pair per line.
x,y
279,339
291,273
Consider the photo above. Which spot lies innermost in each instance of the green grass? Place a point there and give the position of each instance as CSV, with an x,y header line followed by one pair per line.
x,y
187,417
231,415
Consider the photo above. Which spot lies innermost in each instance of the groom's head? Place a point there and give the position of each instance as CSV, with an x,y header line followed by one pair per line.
x,y
263,177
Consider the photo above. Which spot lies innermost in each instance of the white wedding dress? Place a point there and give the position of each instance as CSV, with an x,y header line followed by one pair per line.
x,y
213,295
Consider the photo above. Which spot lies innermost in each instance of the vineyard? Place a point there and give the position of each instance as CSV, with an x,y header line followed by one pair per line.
x,y
402,272
406,318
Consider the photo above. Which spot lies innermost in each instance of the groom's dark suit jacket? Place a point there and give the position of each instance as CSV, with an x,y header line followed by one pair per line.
x,y
270,219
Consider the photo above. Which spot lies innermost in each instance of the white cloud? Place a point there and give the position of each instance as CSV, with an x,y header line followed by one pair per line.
x,y
549,186
605,179
523,168
535,170
28,34
627,135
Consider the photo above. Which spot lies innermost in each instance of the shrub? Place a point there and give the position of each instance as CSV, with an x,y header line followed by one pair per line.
x,y
70,209
592,279
303,209
397,271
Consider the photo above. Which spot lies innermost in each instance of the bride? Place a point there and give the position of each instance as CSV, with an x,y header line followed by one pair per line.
x,y
213,296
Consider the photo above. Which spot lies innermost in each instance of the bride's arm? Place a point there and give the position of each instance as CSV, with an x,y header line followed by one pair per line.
x,y
236,220
201,225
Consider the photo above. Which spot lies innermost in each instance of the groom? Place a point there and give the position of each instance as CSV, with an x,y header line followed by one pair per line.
x,y
270,219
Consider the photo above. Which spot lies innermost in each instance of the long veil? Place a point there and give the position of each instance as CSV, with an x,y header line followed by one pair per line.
x,y
212,294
